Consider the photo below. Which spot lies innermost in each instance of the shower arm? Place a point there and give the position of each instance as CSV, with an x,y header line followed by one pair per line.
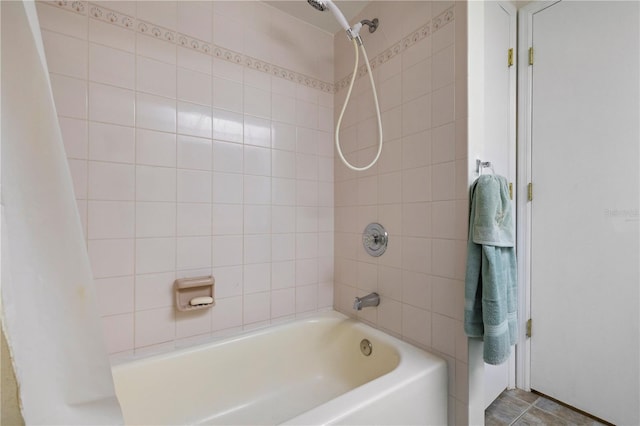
x,y
373,25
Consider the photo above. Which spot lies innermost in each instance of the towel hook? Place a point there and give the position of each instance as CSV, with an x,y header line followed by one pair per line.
x,y
482,165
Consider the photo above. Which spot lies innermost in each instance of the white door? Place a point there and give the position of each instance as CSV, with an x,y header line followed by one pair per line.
x,y
499,141
584,158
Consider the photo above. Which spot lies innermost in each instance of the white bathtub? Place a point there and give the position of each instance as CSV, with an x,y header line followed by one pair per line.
x,y
306,372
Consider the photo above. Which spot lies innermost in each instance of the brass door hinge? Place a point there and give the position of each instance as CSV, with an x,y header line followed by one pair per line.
x,y
531,56
530,191
510,190
510,57
529,328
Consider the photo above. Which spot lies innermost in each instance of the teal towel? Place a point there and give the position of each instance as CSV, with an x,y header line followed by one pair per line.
x,y
490,286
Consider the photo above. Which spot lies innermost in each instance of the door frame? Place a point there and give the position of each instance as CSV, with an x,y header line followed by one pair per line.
x,y
524,176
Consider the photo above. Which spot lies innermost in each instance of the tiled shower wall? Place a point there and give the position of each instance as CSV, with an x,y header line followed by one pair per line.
x,y
418,189
199,140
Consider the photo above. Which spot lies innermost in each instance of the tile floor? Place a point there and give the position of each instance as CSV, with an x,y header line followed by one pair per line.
x,y
519,408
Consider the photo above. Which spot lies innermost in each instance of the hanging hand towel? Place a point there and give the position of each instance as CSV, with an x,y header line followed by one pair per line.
x,y
490,285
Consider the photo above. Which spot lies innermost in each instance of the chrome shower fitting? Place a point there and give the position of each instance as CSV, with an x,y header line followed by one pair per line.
x,y
353,33
371,299
373,25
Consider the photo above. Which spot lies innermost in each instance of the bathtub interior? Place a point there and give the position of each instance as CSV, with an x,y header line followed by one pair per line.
x,y
266,377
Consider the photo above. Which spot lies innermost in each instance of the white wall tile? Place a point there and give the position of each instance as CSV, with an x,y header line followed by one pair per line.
x,y
156,77
228,281
155,148
257,79
79,173
283,274
306,114
111,35
306,140
228,126
257,102
194,120
227,219
283,247
193,323
448,296
283,219
442,106
55,19
283,302
257,131
118,332
174,170
283,108
110,142
155,219
227,33
416,324
194,186
283,164
115,295
75,137
257,278
194,153
227,157
154,326
416,115
256,307
193,60
162,13
193,253
65,55
306,298
416,80
151,47
227,250
227,314
193,219
111,104
257,219
111,66
155,113
111,258
155,184
195,19
194,86
111,219
257,160
228,70
257,249
257,189
111,181
443,68
70,96
283,136
155,255
227,188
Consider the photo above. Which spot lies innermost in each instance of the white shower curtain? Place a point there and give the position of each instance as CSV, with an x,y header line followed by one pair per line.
x,y
48,297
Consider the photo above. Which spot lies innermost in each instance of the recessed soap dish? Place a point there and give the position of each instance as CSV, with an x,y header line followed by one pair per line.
x,y
194,293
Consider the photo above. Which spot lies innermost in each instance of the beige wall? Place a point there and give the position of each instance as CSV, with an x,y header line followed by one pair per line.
x,y
418,190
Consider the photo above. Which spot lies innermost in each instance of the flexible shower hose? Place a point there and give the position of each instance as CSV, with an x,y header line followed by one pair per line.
x,y
344,107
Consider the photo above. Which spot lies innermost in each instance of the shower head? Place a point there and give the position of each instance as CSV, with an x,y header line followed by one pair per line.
x,y
318,5
323,5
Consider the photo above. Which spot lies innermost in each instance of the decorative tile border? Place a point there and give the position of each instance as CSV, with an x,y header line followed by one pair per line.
x,y
420,34
147,28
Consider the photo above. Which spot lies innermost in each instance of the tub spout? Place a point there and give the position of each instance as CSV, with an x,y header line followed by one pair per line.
x,y
371,299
